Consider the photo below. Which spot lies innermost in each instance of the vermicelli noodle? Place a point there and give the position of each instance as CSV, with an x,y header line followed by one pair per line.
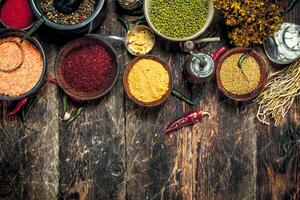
x,y
279,94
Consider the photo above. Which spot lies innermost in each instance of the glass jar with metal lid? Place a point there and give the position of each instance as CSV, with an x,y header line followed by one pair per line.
x,y
284,46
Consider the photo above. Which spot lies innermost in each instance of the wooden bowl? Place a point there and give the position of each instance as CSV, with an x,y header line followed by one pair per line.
x,y
81,95
263,78
126,85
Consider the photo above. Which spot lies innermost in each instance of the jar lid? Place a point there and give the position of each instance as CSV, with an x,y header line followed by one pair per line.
x,y
130,4
202,65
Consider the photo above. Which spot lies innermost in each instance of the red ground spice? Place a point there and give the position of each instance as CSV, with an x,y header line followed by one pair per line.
x,y
16,14
88,68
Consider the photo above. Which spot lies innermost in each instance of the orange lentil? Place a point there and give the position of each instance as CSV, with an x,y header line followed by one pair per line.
x,y
24,78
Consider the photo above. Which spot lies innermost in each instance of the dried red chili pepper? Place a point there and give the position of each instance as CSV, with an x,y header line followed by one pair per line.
x,y
49,79
186,120
18,107
219,53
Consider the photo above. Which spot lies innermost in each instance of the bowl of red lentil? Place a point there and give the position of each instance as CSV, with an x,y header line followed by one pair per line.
x,y
87,68
244,81
26,79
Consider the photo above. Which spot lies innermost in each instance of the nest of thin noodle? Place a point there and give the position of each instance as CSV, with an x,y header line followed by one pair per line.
x,y
279,94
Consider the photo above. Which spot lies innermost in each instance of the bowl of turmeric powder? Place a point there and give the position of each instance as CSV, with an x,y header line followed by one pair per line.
x,y
241,74
148,81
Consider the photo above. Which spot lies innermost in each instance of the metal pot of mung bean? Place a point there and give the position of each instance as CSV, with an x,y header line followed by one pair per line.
x,y
70,17
179,20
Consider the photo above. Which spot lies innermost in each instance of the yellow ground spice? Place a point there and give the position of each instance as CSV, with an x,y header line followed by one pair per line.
x,y
148,80
24,78
240,81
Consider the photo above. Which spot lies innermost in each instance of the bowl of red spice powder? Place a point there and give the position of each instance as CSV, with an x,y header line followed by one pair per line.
x,y
16,14
87,68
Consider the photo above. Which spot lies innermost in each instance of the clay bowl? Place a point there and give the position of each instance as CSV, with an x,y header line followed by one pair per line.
x,y
81,95
263,78
126,86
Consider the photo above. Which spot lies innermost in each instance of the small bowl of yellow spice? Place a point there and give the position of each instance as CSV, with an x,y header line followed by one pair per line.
x,y
241,74
148,81
139,40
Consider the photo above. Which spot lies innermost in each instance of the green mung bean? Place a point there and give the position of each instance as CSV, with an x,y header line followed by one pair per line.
x,y
178,18
85,9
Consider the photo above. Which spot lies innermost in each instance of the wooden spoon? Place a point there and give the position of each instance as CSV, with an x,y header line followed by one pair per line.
x,y
11,57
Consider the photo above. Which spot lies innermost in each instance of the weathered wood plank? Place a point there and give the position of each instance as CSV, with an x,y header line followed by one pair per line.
x,y
213,160
278,150
116,150
149,156
92,149
32,164
39,143
216,158
10,160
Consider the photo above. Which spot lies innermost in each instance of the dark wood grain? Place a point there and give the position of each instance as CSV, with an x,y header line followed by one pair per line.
x,y
278,150
118,150
10,161
149,159
92,149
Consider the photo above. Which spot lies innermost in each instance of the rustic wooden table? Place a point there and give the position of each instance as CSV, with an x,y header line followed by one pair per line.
x,y
116,150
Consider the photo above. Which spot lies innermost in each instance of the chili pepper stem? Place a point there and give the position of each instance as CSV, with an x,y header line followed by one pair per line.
x,y
78,112
182,97
67,115
206,114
